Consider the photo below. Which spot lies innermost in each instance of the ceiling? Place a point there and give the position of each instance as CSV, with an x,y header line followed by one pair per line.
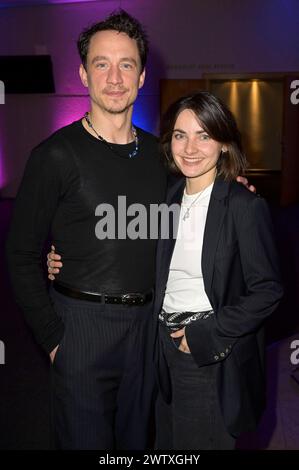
x,y
18,3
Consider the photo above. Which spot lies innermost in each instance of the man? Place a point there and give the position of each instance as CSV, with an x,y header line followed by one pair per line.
x,y
96,324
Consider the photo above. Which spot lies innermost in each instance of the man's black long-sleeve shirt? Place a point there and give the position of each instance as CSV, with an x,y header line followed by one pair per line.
x,y
66,178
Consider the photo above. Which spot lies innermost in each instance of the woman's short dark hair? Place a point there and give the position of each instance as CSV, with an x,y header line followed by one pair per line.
x,y
219,123
119,21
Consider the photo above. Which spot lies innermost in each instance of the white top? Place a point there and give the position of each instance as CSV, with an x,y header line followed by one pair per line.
x,y
185,288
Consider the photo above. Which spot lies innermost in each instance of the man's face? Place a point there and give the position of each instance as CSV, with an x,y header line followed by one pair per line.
x,y
112,72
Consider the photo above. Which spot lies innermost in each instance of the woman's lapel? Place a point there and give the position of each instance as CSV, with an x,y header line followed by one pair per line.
x,y
174,197
215,217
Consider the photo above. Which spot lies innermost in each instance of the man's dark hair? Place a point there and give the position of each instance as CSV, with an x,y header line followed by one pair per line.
x,y
119,21
219,123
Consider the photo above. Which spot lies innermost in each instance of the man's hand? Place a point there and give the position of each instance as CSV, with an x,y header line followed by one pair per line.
x,y
183,345
53,353
53,264
244,181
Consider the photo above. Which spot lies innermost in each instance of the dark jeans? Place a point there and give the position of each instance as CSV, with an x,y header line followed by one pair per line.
x,y
193,419
102,376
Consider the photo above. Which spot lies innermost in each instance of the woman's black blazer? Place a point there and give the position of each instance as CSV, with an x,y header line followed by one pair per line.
x,y
242,281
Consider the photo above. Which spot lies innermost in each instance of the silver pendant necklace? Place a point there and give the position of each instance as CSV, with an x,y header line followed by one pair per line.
x,y
187,212
134,132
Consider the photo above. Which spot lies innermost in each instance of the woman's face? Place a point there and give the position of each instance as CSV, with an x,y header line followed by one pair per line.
x,y
194,151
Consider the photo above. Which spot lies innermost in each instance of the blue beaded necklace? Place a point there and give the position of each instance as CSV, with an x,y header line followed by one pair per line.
x,y
111,147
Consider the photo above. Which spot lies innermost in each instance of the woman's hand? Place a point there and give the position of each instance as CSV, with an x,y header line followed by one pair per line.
x,y
53,263
183,345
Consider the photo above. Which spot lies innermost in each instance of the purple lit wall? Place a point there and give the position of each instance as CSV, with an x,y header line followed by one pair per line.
x,y
2,169
188,38
2,159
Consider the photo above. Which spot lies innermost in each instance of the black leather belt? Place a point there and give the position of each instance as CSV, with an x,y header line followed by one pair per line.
x,y
122,299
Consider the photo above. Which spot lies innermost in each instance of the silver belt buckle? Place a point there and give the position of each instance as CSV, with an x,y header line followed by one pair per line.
x,y
132,298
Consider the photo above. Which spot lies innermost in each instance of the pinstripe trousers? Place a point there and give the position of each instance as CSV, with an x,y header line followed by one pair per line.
x,y
102,377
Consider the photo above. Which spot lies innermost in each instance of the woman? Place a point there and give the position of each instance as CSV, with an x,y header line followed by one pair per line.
x,y
216,284
217,281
